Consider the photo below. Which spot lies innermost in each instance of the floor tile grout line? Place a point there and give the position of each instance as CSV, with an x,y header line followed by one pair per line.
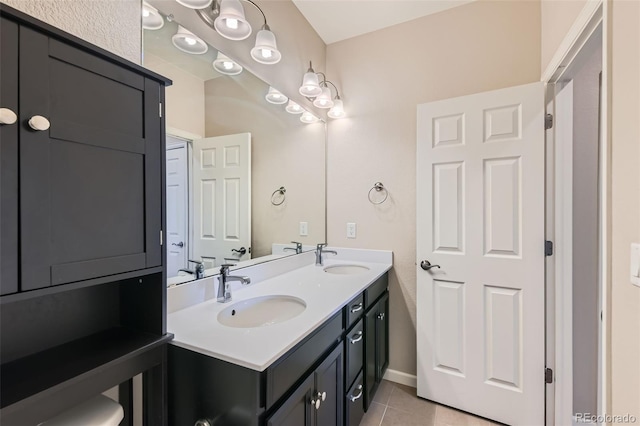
x,y
383,414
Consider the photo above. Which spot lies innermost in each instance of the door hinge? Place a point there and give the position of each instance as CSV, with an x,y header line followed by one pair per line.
x,y
548,248
161,237
160,109
548,375
548,121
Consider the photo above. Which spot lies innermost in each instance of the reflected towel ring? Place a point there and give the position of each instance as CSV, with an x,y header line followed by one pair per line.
x,y
280,191
378,186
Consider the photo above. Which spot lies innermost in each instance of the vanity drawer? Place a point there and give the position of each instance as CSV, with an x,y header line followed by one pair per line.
x,y
375,290
354,407
354,351
285,372
354,310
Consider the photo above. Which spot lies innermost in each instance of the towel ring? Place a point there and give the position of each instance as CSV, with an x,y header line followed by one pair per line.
x,y
378,186
280,191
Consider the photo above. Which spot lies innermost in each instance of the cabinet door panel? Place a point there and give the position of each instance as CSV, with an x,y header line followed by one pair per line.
x,y
329,382
296,410
9,159
382,337
91,185
370,320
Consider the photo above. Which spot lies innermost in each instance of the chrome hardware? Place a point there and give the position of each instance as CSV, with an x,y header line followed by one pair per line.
x,y
315,403
353,340
354,398
320,250
381,316
281,198
242,251
426,265
378,186
180,244
199,267
7,116
224,292
356,308
202,422
298,247
39,123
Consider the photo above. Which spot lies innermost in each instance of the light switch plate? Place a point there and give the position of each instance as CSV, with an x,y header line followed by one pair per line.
x,y
351,230
304,229
635,264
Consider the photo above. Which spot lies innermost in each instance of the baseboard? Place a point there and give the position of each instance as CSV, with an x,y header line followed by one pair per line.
x,y
400,377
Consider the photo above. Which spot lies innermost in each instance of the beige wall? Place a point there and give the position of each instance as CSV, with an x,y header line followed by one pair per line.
x,y
114,25
557,18
625,206
477,47
284,152
184,98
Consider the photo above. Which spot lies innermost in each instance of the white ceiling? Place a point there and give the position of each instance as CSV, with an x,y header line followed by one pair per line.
x,y
336,20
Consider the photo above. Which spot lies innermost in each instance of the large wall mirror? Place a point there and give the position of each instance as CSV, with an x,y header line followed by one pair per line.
x,y
244,176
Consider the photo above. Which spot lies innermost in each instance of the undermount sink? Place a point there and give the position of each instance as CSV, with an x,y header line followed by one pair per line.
x,y
261,311
346,269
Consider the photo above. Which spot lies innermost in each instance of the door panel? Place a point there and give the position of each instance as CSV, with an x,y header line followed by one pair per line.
x,y
177,209
296,410
329,382
480,216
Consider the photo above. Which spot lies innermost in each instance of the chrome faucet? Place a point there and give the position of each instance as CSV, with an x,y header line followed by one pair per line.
x,y
298,247
198,272
320,250
224,292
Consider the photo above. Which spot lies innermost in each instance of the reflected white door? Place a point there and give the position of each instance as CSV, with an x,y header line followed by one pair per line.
x,y
177,208
222,199
480,216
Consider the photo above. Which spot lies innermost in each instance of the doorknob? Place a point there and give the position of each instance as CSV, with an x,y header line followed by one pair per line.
x,y
426,265
7,116
180,244
38,122
242,251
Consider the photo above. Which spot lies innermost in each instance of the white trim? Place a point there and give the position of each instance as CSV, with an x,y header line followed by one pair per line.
x,y
182,134
402,378
579,32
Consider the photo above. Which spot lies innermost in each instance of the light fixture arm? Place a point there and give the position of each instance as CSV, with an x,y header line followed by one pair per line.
x,y
209,14
265,26
334,86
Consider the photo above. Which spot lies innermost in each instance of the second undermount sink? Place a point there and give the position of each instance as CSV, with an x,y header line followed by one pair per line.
x,y
346,269
261,311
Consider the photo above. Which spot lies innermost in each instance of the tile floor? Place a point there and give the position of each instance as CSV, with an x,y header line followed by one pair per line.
x,y
398,405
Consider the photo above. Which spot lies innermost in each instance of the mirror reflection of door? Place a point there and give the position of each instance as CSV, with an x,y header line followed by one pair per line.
x,y
222,199
177,205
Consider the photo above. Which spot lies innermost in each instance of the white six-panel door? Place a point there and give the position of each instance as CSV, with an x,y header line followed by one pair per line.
x,y
480,216
177,208
222,198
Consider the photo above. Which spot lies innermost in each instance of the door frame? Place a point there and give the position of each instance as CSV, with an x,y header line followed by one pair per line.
x,y
595,15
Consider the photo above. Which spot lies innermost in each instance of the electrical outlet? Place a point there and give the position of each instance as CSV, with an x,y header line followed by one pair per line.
x,y
304,229
351,230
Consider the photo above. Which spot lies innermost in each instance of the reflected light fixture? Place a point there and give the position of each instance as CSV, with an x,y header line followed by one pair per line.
x,y
195,4
294,108
274,96
151,18
337,111
308,118
188,42
324,98
228,19
320,93
310,84
226,66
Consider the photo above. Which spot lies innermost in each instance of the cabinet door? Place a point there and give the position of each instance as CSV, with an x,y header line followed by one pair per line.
x,y
382,337
91,185
9,159
370,319
296,410
376,346
329,389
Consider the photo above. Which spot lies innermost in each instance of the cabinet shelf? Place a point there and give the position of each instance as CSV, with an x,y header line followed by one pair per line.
x,y
101,357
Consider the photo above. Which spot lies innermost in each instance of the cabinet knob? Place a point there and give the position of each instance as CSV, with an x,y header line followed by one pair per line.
x,y
39,123
315,402
381,316
7,116
322,396
202,422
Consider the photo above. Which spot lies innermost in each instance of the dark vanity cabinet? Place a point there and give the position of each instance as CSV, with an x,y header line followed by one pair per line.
x,y
377,346
82,281
322,381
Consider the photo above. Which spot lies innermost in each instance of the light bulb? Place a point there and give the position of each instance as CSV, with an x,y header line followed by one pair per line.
x,y
266,53
232,23
145,13
227,65
190,41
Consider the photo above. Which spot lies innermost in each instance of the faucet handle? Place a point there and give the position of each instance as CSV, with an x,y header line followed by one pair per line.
x,y
321,245
196,261
225,268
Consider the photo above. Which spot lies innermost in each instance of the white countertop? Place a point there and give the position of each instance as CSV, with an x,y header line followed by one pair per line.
x,y
197,328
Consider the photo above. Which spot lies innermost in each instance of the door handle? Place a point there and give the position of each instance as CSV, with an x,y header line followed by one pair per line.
x,y
426,265
242,251
180,244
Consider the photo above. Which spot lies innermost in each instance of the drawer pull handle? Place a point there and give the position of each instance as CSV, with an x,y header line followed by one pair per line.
x,y
354,398
356,308
356,339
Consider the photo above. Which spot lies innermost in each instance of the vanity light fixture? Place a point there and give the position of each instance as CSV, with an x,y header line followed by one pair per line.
x,y
188,42
294,108
228,19
320,93
151,18
308,118
226,66
337,111
310,84
274,96
195,4
323,100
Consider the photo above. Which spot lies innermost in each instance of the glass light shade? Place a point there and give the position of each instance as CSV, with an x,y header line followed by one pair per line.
x,y
308,118
195,4
231,22
188,42
294,108
310,85
266,50
275,97
151,18
226,66
337,111
324,99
